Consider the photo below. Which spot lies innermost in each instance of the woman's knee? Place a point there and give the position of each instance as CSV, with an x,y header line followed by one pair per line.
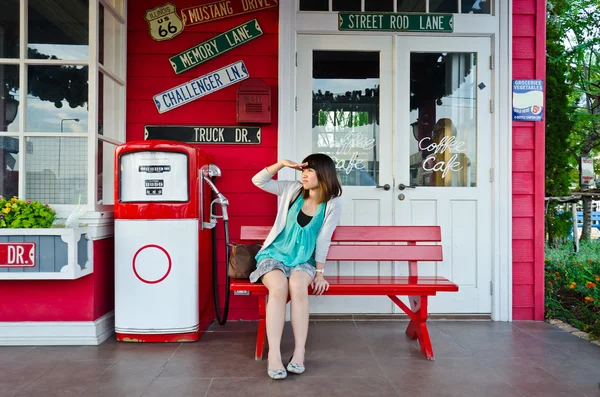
x,y
299,285
277,286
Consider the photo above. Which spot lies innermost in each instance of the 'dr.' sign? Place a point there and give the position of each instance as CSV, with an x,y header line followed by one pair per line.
x,y
17,254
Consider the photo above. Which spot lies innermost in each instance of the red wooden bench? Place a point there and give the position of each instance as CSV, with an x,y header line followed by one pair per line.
x,y
418,289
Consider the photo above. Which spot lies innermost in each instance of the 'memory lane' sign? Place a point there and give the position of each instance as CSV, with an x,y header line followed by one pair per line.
x,y
396,22
201,86
223,9
204,134
216,46
17,254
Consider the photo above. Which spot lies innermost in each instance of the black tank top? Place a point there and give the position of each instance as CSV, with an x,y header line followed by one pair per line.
x,y
302,219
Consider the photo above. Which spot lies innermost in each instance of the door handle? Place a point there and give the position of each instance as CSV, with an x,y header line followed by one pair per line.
x,y
402,186
385,187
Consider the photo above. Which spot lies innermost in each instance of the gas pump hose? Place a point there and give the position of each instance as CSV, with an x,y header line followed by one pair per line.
x,y
220,319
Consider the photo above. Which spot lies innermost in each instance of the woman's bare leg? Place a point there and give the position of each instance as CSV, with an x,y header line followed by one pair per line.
x,y
277,284
299,282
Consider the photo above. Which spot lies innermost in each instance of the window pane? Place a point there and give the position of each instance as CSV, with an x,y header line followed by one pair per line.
x,y
476,6
58,29
9,166
9,29
450,6
314,5
58,99
443,103
346,113
411,6
379,5
346,5
111,43
105,179
110,108
56,170
9,98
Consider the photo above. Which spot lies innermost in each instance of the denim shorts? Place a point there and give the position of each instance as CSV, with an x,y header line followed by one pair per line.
x,y
268,264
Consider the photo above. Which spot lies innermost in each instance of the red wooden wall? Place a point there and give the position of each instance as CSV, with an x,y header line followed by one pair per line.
x,y
149,73
85,299
528,177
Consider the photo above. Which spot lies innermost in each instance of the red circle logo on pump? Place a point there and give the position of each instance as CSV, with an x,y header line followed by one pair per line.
x,y
150,266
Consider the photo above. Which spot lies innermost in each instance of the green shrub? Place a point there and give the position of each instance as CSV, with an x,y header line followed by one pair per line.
x,y
573,285
15,213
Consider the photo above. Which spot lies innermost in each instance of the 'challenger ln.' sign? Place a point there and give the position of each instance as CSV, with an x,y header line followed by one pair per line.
x,y
395,22
216,46
201,86
204,134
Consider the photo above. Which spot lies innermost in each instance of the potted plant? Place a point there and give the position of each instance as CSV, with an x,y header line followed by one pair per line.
x,y
31,248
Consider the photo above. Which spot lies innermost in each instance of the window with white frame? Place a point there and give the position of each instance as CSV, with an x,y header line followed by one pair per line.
x,y
421,6
62,93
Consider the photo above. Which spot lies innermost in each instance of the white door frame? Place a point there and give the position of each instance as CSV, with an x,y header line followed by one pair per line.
x,y
292,23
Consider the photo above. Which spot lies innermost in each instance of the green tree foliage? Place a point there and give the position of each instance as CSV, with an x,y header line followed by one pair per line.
x,y
573,42
559,124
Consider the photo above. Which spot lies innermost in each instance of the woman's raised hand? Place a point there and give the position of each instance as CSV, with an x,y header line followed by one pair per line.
x,y
291,164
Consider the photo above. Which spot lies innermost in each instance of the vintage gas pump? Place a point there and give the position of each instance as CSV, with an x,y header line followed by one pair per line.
x,y
163,253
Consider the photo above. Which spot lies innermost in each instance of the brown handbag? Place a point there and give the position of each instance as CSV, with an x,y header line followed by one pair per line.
x,y
241,259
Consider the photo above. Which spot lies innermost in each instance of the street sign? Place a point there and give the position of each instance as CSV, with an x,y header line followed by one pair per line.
x,y
395,22
201,86
223,9
17,254
214,47
164,23
239,135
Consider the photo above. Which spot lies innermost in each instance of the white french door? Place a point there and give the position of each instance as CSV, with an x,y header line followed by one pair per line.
x,y
407,122
443,159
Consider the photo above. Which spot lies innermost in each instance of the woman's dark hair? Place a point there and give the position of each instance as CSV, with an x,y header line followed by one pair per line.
x,y
329,184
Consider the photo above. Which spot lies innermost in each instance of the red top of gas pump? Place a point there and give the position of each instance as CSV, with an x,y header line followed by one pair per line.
x,y
149,181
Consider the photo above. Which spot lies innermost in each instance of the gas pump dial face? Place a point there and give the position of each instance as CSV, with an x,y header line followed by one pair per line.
x,y
154,176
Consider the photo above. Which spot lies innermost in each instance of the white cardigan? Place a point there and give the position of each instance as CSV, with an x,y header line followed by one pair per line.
x,y
287,189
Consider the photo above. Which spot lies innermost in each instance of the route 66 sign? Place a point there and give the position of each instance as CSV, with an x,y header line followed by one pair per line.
x,y
164,22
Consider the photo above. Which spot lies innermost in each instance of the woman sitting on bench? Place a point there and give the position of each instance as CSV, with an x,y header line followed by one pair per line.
x,y
293,254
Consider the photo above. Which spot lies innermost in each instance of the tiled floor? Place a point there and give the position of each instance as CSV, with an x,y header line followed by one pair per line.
x,y
344,358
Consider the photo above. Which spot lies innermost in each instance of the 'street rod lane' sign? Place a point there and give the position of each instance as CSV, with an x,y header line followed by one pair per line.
x,y
201,86
223,9
393,22
216,46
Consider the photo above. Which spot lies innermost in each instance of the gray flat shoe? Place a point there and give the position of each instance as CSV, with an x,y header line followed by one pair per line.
x,y
295,368
277,373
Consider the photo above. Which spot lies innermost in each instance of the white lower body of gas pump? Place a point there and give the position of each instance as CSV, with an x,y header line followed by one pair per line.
x,y
158,300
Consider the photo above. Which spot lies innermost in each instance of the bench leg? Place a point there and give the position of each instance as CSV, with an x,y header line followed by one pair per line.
x,y
417,328
262,327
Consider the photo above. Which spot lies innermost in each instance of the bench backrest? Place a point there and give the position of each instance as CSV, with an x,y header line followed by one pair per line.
x,y
411,235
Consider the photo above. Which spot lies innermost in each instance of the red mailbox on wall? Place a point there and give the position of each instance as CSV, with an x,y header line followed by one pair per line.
x,y
254,102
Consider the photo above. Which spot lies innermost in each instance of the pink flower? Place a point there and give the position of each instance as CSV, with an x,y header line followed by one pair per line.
x,y
47,205
28,201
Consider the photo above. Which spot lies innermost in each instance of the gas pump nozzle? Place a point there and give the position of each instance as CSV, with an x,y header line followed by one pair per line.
x,y
209,171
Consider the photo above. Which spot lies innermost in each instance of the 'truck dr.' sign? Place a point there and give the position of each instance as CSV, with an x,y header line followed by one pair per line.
x,y
204,134
201,86
216,46
17,254
528,100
